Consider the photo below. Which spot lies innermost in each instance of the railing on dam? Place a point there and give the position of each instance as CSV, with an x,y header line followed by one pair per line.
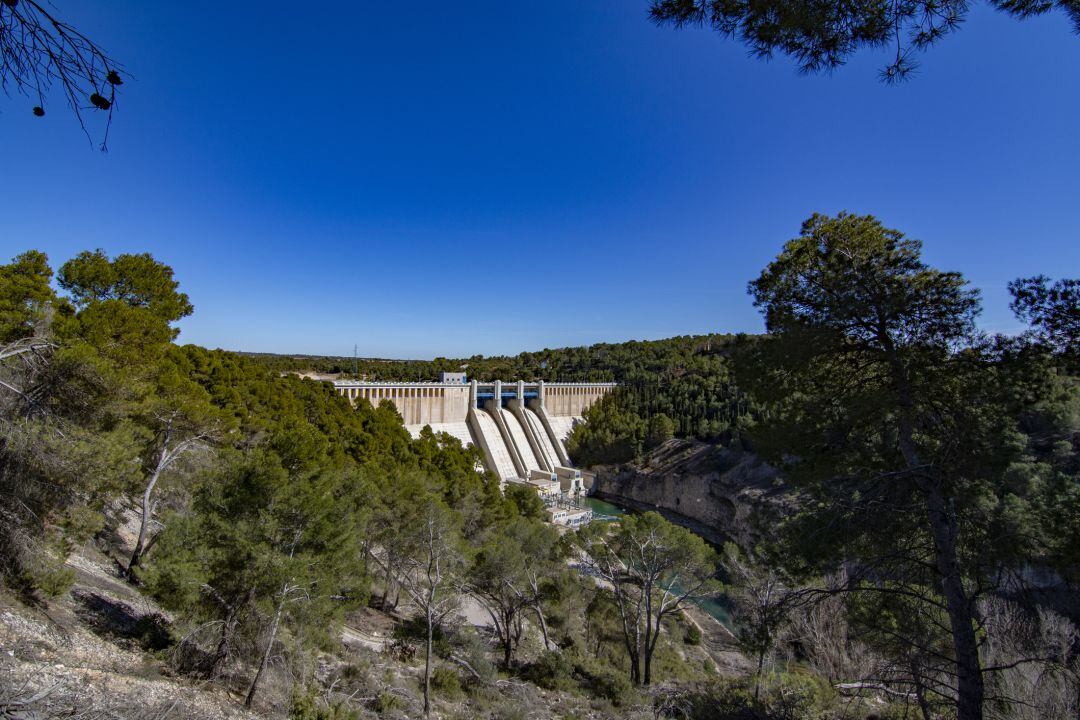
x,y
420,402
536,417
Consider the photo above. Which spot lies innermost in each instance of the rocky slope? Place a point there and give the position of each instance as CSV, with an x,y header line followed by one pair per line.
x,y
719,493
84,656
105,651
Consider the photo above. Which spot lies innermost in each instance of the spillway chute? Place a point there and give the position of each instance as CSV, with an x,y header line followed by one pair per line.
x,y
492,441
546,446
520,440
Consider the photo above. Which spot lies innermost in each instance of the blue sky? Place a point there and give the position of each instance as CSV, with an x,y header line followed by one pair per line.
x,y
432,178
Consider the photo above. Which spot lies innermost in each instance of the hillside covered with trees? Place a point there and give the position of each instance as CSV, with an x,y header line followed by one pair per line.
x,y
676,387
868,511
930,568
258,512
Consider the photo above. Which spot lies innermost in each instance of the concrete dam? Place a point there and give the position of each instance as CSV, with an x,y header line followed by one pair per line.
x,y
519,427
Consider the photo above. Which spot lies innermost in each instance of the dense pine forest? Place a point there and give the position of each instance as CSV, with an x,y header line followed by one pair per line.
x,y
928,569
676,387
263,509
863,506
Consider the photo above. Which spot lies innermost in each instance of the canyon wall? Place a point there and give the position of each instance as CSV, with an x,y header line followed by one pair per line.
x,y
719,493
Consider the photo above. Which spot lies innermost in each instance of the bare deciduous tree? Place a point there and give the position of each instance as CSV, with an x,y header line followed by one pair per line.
x,y
760,593
430,570
179,436
821,629
1032,662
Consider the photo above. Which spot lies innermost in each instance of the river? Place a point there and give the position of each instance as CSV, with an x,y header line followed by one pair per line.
x,y
604,509
609,511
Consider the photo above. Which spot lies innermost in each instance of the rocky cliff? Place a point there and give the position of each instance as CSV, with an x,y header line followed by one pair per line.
x,y
719,493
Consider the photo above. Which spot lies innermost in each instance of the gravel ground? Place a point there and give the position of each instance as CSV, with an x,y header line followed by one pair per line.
x,y
59,662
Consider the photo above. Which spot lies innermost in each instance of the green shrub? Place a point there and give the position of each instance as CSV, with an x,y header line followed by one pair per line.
x,y
153,632
671,662
603,681
729,699
611,685
565,671
510,711
355,671
446,682
551,671
386,702
783,696
306,706
471,648
797,695
48,574
692,636
82,523
414,632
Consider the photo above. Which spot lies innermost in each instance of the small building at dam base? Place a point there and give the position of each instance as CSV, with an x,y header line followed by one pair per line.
x,y
520,427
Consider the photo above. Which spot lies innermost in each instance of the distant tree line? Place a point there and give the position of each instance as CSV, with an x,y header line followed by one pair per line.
x,y
676,387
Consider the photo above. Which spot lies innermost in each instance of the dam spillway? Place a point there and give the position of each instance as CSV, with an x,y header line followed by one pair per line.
x,y
520,441
547,448
519,427
501,461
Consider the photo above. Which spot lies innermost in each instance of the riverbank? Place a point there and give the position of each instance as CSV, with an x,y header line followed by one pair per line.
x,y
624,504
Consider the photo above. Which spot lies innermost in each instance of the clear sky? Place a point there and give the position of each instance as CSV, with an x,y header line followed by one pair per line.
x,y
432,178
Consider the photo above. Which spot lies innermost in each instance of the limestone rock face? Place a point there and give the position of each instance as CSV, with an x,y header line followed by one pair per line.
x,y
719,493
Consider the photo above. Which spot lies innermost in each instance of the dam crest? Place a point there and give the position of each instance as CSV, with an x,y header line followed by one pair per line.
x,y
519,427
